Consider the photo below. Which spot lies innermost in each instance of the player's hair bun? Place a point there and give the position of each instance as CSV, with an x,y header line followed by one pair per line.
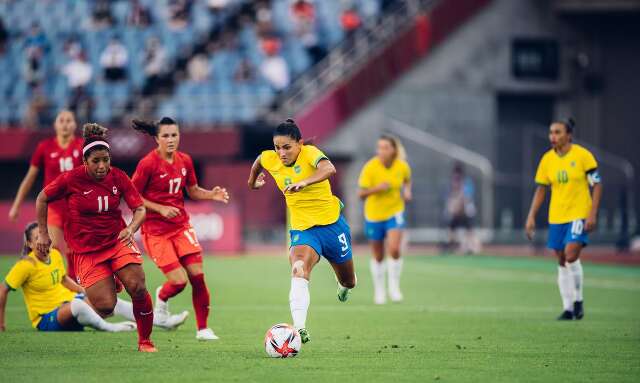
x,y
94,130
146,127
290,121
571,122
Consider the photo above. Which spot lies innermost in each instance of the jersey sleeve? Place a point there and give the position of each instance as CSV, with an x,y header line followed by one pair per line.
x,y
191,172
268,159
57,189
365,180
18,274
141,176
37,159
129,192
589,161
541,174
315,155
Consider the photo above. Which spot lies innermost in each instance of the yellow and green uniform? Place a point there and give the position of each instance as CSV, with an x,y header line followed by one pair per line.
x,y
41,284
382,206
315,204
567,176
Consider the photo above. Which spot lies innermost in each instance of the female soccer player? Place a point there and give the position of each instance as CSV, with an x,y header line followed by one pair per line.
x,y
55,156
101,243
569,169
318,229
167,234
385,183
47,289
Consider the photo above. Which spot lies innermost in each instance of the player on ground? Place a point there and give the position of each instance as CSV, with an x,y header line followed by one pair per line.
x,y
101,243
385,184
54,301
318,229
54,156
569,170
167,234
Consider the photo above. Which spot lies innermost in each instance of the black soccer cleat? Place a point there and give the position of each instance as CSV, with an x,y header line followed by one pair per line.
x,y
566,315
578,309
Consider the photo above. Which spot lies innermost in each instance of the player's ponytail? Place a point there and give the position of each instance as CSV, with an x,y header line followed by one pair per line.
x,y
288,128
401,153
95,138
27,238
151,128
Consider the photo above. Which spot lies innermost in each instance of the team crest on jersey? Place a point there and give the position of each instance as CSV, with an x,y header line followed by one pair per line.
x,y
573,164
76,153
184,172
297,169
54,154
115,190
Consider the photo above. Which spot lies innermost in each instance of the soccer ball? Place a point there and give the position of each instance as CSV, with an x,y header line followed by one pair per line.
x,y
282,341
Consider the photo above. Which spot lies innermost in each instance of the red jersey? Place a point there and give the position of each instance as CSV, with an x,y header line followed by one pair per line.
x,y
94,218
54,160
162,182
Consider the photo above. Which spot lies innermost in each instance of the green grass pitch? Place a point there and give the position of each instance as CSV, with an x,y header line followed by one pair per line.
x,y
464,319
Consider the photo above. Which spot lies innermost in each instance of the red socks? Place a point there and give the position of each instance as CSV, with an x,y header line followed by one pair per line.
x,y
200,296
170,290
143,312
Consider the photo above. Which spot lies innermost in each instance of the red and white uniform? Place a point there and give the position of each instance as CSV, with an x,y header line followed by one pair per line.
x,y
169,242
53,161
94,221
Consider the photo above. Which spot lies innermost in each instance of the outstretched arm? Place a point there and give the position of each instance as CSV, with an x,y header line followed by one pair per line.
x,y
216,194
256,176
4,292
324,171
538,199
593,214
23,190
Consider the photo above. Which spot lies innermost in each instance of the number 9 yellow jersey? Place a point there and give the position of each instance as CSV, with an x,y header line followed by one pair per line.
x,y
567,177
41,284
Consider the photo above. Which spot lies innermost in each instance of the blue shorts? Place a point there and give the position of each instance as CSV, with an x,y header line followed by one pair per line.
x,y
330,241
376,231
49,321
562,234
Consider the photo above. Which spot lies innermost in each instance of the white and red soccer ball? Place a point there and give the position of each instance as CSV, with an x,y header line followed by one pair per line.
x,y
282,341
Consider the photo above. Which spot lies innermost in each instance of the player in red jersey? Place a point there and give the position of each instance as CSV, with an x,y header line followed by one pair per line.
x,y
167,234
101,243
54,156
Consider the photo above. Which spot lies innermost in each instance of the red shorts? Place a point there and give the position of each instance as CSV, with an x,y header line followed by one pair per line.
x,y
57,213
174,249
93,267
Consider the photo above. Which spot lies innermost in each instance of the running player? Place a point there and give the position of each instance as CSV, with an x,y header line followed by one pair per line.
x,y
54,301
54,156
569,170
167,234
101,243
318,229
385,184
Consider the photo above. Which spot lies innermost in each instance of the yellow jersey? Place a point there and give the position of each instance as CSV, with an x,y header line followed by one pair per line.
x,y
383,205
567,177
41,284
315,204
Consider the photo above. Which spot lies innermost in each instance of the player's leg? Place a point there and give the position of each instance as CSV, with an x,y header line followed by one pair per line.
x,y
378,270
124,309
572,251
565,286
132,277
77,313
200,295
394,263
302,259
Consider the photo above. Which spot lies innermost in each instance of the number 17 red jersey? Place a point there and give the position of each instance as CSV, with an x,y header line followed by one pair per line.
x,y
162,182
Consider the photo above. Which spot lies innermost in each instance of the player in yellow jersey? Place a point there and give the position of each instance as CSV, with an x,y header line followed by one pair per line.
x,y
569,170
318,228
54,301
385,184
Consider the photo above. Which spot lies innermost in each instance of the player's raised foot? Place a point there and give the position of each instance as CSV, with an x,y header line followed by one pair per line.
x,y
304,335
206,334
578,310
123,327
566,315
147,346
174,321
161,308
343,293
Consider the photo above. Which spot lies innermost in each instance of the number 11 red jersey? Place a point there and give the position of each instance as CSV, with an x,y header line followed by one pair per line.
x,y
162,182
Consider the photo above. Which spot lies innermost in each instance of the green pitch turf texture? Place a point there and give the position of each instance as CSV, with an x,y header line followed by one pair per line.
x,y
464,319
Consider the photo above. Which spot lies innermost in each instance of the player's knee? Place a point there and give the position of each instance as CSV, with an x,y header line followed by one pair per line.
x,y
297,269
350,283
136,288
104,307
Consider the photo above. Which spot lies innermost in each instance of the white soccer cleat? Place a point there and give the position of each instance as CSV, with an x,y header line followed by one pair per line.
x,y
174,321
161,309
395,295
123,327
206,334
379,297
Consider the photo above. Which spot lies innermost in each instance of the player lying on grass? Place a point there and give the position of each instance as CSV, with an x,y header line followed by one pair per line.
x,y
54,301
318,228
